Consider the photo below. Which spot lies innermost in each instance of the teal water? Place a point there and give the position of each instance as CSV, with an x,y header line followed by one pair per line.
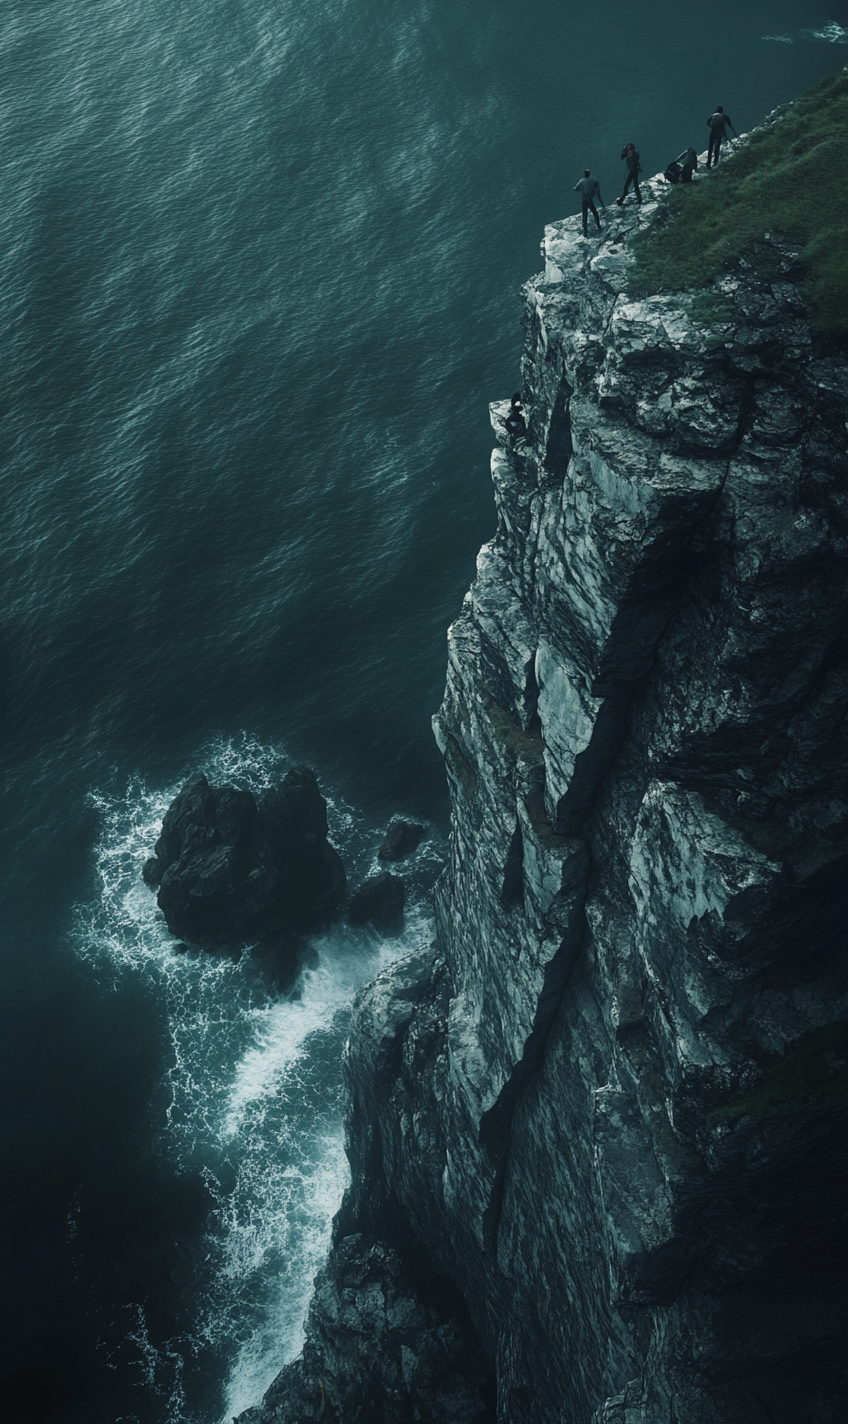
x,y
261,263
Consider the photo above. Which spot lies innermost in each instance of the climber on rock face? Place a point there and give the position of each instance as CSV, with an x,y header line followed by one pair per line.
x,y
515,422
589,186
689,161
634,168
718,124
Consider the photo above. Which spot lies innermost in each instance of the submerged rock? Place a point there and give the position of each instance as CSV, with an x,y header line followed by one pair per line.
x,y
280,957
229,867
379,901
402,838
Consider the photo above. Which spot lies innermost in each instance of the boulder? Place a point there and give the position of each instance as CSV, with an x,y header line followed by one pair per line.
x,y
229,867
151,872
280,957
402,838
379,902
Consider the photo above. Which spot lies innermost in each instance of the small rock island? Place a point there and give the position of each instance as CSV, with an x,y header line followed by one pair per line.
x,y
229,867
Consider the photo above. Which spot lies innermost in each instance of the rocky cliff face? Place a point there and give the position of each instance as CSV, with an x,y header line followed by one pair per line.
x,y
602,1129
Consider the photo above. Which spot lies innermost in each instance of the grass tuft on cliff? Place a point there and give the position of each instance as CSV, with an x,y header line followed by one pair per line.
x,y
789,176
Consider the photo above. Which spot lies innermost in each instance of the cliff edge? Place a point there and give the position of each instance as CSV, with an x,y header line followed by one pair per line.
x,y
598,1137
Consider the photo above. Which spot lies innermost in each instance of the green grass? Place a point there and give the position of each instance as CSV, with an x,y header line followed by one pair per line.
x,y
788,177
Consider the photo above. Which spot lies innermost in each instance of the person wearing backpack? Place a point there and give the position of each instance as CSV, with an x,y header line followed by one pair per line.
x,y
515,421
718,124
682,167
634,168
588,187
689,160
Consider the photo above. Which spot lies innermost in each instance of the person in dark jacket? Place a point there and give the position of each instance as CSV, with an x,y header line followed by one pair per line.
x,y
634,168
515,422
688,163
589,186
718,124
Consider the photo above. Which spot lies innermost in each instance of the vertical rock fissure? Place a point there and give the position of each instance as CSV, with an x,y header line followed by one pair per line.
x,y
512,889
496,1123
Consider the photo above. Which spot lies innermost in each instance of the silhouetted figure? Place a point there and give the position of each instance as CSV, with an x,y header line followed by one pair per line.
x,y
589,186
634,168
515,422
689,163
682,167
718,124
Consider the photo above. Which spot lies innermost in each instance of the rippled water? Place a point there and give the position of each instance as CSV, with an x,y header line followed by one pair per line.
x,y
260,276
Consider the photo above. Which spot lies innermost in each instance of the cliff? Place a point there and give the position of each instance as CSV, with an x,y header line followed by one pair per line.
x,y
597,1137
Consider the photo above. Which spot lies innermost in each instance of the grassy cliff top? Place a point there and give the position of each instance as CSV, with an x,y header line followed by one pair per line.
x,y
789,176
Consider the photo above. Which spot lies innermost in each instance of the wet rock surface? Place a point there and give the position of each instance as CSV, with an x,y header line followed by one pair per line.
x,y
379,901
401,840
611,1105
229,867
280,957
379,1350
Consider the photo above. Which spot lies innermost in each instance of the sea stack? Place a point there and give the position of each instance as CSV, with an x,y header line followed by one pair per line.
x,y
229,867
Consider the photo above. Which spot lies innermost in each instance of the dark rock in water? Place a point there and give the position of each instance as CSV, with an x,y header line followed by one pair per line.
x,y
152,872
228,868
280,957
378,1349
379,902
402,838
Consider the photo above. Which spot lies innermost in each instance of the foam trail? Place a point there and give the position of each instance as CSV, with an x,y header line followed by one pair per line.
x,y
253,1088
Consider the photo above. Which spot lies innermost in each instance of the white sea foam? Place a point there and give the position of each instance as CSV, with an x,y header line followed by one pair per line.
x,y
253,1087
833,33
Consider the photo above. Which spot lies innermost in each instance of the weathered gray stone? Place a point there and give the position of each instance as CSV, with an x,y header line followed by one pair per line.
x,y
379,901
611,1107
379,1350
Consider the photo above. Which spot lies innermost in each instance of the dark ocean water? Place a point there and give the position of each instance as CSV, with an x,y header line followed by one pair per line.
x,y
260,272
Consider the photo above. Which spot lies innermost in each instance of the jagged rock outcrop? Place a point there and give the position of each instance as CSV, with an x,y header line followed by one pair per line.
x,y
611,1108
229,867
401,840
379,1351
379,901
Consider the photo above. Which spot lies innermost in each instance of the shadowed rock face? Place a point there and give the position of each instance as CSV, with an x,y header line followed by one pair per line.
x,y
378,1349
611,1107
379,902
229,868
401,839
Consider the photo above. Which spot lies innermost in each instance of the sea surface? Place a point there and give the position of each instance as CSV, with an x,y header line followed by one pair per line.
x,y
261,263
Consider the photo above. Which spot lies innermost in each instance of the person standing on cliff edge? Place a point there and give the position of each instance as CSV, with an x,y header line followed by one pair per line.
x,y
718,124
634,168
589,186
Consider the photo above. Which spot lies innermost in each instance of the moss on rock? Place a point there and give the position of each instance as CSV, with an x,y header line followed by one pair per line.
x,y
786,177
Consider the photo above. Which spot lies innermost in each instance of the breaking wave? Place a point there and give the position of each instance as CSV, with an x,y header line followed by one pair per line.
x,y
251,1094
